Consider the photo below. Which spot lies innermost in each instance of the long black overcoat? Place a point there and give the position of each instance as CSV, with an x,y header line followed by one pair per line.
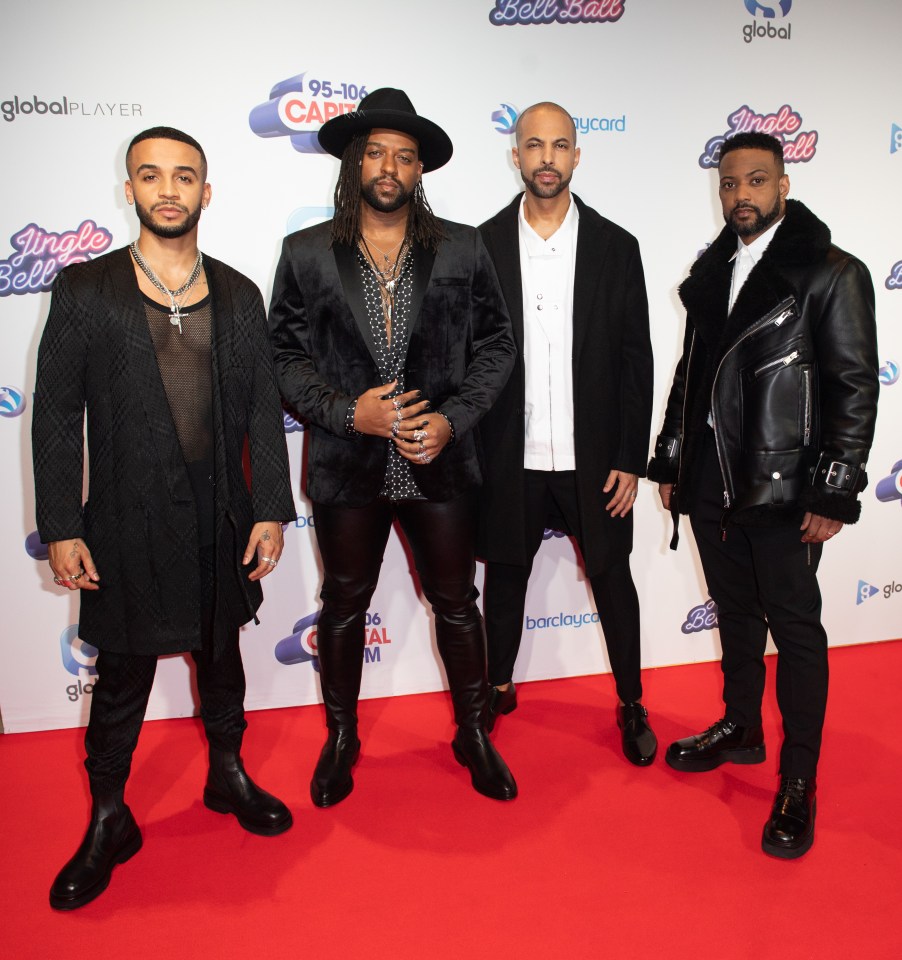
x,y
139,520
612,389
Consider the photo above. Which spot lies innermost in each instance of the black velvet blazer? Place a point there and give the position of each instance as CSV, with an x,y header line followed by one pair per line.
x,y
140,522
460,355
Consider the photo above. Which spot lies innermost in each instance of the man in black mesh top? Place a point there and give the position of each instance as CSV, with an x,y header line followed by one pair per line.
x,y
166,351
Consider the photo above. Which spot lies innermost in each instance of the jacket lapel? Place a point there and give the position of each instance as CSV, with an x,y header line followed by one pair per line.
x,y
505,250
423,262
352,285
592,243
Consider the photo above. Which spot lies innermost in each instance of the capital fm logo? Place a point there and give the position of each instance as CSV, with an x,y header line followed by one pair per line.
x,y
525,12
35,547
895,138
888,373
890,488
894,280
298,106
301,646
505,118
799,146
12,402
702,617
40,254
79,659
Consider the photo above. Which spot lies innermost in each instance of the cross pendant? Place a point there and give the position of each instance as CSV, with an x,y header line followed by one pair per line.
x,y
175,318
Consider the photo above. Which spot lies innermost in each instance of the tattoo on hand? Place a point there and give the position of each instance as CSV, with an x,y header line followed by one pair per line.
x,y
265,535
74,552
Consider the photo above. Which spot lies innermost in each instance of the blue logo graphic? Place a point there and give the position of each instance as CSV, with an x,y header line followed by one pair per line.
x,y
548,534
298,107
865,592
890,488
34,547
305,217
78,656
769,11
889,373
895,139
894,280
12,402
702,617
505,119
292,425
300,647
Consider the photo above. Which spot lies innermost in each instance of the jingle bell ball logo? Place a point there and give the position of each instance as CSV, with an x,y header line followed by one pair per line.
x,y
702,617
888,374
40,254
889,489
301,646
298,106
767,17
799,146
894,280
291,424
511,13
12,402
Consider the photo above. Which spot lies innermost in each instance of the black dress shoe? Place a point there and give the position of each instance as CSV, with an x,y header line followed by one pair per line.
x,y
230,790
720,743
112,838
639,741
489,773
500,701
790,831
332,780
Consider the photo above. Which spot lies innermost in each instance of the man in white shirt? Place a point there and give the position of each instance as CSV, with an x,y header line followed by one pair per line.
x,y
563,445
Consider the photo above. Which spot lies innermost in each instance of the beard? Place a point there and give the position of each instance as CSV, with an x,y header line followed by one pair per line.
x,y
542,190
385,204
757,226
165,230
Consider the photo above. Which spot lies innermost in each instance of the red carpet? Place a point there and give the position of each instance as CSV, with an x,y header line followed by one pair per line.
x,y
596,858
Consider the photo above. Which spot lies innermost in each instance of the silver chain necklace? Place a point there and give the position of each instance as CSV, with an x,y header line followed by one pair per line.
x,y
175,314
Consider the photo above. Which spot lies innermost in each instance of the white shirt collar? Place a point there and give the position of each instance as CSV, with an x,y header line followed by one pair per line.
x,y
756,248
565,233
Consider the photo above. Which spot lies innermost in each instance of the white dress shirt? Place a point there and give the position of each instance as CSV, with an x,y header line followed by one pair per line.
x,y
746,256
547,269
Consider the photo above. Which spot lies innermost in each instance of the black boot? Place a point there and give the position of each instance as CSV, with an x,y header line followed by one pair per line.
x,y
500,702
461,644
112,838
230,790
790,830
332,780
340,643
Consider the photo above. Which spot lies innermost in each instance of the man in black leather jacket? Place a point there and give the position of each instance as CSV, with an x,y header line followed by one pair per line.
x,y
764,445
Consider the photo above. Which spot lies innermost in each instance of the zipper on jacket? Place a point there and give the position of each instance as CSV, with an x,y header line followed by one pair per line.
x,y
780,361
806,386
683,423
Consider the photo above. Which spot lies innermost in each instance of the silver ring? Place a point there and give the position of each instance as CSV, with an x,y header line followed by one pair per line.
x,y
77,577
398,416
396,403
424,457
419,435
395,427
59,581
633,495
269,560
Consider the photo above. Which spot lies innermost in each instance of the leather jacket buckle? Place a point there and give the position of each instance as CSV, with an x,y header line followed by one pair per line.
x,y
668,447
840,476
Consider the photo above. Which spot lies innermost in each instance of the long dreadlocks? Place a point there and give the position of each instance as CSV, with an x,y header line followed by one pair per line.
x,y
423,226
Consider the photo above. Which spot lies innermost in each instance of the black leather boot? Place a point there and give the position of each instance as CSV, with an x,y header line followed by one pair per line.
x,y
112,838
340,642
790,830
500,702
722,742
461,645
230,790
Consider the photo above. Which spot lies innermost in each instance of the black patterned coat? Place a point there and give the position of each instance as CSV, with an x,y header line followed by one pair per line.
x,y
139,521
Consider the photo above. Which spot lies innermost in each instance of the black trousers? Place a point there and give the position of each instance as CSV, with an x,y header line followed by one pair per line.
x,y
615,594
765,578
441,536
123,686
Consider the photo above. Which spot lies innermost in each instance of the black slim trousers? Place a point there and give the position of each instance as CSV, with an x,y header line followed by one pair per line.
x,y
441,536
615,594
765,578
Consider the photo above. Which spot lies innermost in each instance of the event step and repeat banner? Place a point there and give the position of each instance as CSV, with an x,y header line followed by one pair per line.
x,y
654,87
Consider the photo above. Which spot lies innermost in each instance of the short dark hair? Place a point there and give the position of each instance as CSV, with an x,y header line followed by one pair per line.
x,y
168,133
753,141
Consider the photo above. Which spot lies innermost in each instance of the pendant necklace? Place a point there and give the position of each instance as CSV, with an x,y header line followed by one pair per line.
x,y
175,315
387,279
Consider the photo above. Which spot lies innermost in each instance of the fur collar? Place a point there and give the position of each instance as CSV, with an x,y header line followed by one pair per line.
x,y
800,241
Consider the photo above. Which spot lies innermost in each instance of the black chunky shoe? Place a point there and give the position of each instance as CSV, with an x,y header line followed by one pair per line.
x,y
639,741
332,780
488,771
230,790
790,830
722,742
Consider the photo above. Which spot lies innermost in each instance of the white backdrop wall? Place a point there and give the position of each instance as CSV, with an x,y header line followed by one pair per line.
x,y
652,84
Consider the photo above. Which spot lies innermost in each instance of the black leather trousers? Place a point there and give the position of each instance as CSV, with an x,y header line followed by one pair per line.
x,y
352,542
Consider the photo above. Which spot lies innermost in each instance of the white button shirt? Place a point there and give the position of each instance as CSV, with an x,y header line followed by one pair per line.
x,y
547,269
746,256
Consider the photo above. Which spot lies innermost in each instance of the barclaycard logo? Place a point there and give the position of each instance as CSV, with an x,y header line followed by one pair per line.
x,y
769,11
505,118
35,547
12,402
702,617
888,373
305,217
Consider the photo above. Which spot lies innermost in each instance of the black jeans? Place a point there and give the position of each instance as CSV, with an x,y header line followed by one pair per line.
x,y
615,594
352,541
123,686
765,578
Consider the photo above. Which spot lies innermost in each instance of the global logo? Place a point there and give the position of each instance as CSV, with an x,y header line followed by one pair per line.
x,y
768,10
505,118
78,657
865,592
702,617
301,646
889,373
894,280
298,106
890,488
895,140
12,402
34,546
799,146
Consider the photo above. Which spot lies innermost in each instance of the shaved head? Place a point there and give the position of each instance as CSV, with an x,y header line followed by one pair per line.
x,y
544,106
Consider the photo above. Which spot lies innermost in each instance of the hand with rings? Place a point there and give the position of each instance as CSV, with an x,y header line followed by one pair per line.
x,y
379,414
72,565
625,494
420,440
817,529
266,539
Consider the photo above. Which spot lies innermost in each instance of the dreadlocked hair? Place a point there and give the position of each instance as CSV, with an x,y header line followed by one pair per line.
x,y
423,226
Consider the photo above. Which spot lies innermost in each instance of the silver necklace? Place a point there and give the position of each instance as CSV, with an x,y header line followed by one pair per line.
x,y
385,256
387,278
175,314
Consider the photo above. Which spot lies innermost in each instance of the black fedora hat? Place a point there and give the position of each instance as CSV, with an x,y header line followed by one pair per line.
x,y
389,109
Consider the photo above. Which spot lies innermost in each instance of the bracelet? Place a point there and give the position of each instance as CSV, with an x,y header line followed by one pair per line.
x,y
349,420
450,425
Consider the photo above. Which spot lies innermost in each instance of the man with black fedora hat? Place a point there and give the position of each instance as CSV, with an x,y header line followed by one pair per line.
x,y
391,338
